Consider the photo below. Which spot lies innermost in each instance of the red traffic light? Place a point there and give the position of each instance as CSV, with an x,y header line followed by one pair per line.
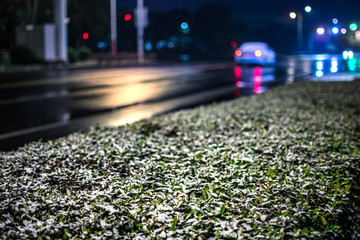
x,y
127,17
85,36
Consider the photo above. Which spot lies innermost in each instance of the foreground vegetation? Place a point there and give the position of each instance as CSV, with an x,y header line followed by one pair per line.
x,y
282,164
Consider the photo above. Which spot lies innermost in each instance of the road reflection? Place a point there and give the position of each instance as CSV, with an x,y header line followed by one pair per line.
x,y
251,80
335,64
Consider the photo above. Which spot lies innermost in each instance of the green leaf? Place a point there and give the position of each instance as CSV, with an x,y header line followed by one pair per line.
x,y
174,222
271,173
193,172
223,209
61,219
65,236
305,231
323,220
347,187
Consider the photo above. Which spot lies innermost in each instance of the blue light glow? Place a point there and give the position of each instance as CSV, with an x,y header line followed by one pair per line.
x,y
101,44
184,25
148,46
335,30
184,57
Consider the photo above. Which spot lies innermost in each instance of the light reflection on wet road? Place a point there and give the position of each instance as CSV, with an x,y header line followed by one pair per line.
x,y
52,104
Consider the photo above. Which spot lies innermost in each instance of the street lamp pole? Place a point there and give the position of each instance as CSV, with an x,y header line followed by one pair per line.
x,y
300,31
299,17
141,22
113,27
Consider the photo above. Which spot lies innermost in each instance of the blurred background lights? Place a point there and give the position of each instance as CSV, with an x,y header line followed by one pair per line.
x,y
319,65
292,15
335,21
184,25
170,44
334,66
353,27
320,31
348,54
357,35
319,73
352,64
127,17
85,36
343,31
101,45
148,46
307,9
335,30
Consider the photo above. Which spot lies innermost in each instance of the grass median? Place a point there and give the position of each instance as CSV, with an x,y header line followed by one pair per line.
x,y
281,164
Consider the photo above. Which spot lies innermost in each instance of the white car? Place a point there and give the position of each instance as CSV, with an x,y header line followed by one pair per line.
x,y
258,53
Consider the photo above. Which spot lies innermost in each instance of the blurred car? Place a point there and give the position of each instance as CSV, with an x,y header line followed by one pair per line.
x,y
258,53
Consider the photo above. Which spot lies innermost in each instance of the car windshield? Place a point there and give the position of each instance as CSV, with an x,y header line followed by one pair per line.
x,y
253,46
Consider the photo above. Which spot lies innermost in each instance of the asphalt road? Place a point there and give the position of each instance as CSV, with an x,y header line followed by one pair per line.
x,y
46,105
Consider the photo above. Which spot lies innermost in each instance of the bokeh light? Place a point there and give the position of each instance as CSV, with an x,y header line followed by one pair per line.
x,y
307,9
335,30
353,27
127,17
320,31
184,25
85,36
319,73
292,15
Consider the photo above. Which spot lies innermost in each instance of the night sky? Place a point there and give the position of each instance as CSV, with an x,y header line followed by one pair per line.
x,y
323,10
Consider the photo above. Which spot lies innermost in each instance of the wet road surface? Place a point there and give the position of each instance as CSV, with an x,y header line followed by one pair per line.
x,y
48,105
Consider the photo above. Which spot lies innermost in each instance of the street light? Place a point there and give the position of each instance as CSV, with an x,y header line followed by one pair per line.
x,y
292,15
335,30
299,17
320,31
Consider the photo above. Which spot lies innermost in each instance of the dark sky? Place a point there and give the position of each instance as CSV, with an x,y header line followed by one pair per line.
x,y
323,10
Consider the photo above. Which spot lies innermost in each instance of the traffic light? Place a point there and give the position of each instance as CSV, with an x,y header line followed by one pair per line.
x,y
85,36
127,17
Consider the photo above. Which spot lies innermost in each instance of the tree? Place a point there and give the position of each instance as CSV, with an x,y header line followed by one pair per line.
x,y
14,13
214,28
91,16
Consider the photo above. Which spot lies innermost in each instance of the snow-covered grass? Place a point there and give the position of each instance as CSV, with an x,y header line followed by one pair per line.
x,y
281,164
